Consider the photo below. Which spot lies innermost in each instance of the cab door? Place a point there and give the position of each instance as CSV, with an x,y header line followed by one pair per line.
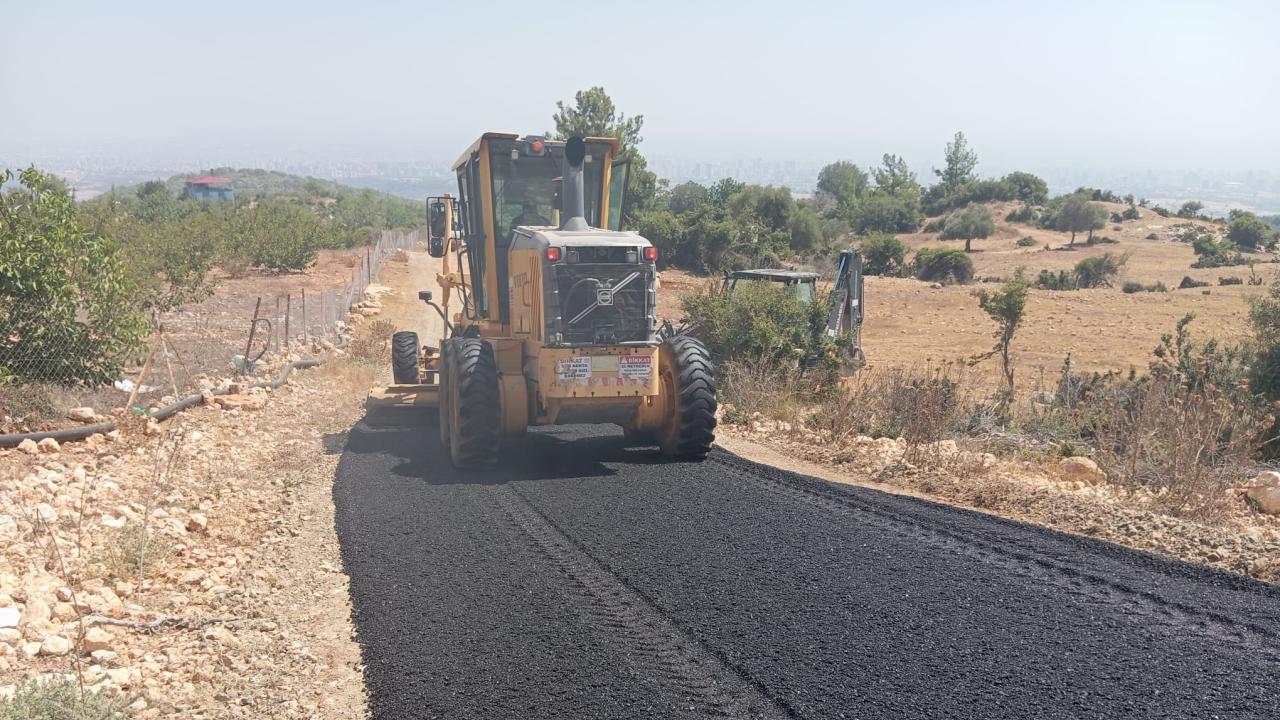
x,y
619,181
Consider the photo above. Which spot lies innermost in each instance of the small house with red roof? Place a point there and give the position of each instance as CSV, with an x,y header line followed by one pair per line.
x,y
210,188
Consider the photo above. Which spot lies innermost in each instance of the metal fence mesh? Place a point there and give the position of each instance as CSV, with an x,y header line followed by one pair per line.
x,y
196,347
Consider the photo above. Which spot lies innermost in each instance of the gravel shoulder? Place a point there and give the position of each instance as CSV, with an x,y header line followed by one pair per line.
x,y
192,567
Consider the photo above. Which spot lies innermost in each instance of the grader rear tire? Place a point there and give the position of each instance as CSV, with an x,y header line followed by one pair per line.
x,y
474,412
689,384
404,357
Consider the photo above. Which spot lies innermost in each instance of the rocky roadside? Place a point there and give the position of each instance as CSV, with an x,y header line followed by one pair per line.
x,y
189,568
1072,495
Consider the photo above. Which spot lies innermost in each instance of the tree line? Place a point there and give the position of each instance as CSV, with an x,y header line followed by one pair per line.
x,y
80,282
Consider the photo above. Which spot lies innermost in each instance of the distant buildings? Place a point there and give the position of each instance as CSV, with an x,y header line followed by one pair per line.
x,y
209,188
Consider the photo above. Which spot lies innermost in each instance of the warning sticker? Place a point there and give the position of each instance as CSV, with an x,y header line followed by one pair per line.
x,y
574,369
635,367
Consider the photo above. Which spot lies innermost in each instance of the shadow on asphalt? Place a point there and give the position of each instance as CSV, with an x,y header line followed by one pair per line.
x,y
556,452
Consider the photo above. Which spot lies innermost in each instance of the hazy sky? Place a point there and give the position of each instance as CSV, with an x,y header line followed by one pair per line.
x,y
1108,84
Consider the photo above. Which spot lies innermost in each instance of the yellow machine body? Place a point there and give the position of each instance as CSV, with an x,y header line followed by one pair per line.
x,y
560,292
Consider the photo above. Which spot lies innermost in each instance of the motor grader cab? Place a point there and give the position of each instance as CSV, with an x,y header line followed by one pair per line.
x,y
549,308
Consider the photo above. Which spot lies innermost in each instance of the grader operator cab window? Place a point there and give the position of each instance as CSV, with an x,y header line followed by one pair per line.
x,y
525,186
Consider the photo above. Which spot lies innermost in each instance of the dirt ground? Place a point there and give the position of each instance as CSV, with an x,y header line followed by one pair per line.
x,y
909,322
191,568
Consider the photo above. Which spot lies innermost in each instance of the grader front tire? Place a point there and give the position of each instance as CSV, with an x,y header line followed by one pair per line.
x,y
404,357
689,386
474,405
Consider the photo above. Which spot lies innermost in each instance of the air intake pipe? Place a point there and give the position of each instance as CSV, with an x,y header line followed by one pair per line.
x,y
573,210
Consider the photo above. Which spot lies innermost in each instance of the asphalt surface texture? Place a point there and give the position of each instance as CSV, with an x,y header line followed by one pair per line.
x,y
581,578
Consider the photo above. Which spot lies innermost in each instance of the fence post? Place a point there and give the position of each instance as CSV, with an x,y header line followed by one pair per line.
x,y
248,345
288,311
368,266
306,334
275,326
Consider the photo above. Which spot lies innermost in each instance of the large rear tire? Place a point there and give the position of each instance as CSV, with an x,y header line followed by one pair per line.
x,y
475,411
404,357
689,384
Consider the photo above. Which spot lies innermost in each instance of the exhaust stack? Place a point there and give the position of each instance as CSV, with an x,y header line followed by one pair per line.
x,y
573,202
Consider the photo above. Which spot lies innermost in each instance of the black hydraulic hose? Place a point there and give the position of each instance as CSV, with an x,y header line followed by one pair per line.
x,y
80,433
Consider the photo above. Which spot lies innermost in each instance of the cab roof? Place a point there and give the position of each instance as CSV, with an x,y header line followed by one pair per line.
x,y
541,238
466,154
774,274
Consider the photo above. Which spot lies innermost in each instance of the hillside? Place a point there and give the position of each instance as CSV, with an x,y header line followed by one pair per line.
x,y
911,323
255,182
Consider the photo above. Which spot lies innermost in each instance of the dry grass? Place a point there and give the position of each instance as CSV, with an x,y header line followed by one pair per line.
x,y
1183,444
131,552
371,342
61,700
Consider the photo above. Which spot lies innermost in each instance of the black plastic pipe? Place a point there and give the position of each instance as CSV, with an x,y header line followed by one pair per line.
x,y
80,433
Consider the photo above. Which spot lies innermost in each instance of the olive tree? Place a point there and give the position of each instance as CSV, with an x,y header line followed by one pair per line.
x,y
973,222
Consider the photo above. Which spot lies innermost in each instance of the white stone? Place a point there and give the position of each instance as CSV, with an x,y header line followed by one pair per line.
x,y
1081,469
48,445
55,646
82,414
1269,478
95,639
29,446
10,617
1263,499
197,522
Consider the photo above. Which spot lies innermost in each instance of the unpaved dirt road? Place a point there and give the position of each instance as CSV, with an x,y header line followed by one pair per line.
x,y
582,578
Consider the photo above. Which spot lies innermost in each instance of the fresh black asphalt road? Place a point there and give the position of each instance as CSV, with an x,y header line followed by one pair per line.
x,y
583,579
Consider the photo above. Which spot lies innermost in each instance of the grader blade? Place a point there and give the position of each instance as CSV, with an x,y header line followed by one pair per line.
x,y
420,402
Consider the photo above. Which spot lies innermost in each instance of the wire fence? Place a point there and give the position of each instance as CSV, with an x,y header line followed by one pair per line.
x,y
238,332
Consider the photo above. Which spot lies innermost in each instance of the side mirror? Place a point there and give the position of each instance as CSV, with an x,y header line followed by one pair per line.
x,y
436,229
424,295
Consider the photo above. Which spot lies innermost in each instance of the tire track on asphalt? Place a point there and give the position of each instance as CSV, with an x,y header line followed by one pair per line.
x,y
1137,606
654,644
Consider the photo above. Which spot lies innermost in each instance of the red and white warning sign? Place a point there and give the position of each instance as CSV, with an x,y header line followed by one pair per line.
x,y
575,369
635,367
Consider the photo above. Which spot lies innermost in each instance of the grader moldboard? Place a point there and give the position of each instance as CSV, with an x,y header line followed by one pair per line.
x,y
558,306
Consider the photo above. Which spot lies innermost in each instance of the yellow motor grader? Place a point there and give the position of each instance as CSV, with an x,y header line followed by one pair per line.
x,y
556,308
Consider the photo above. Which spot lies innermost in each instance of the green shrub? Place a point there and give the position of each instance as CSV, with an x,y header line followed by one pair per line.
x,y
943,265
935,226
1189,282
1027,241
1246,230
287,237
1152,236
1061,280
1161,211
1137,287
1099,271
1101,240
1215,253
883,255
758,320
61,700
1230,281
1130,213
1024,214
69,311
